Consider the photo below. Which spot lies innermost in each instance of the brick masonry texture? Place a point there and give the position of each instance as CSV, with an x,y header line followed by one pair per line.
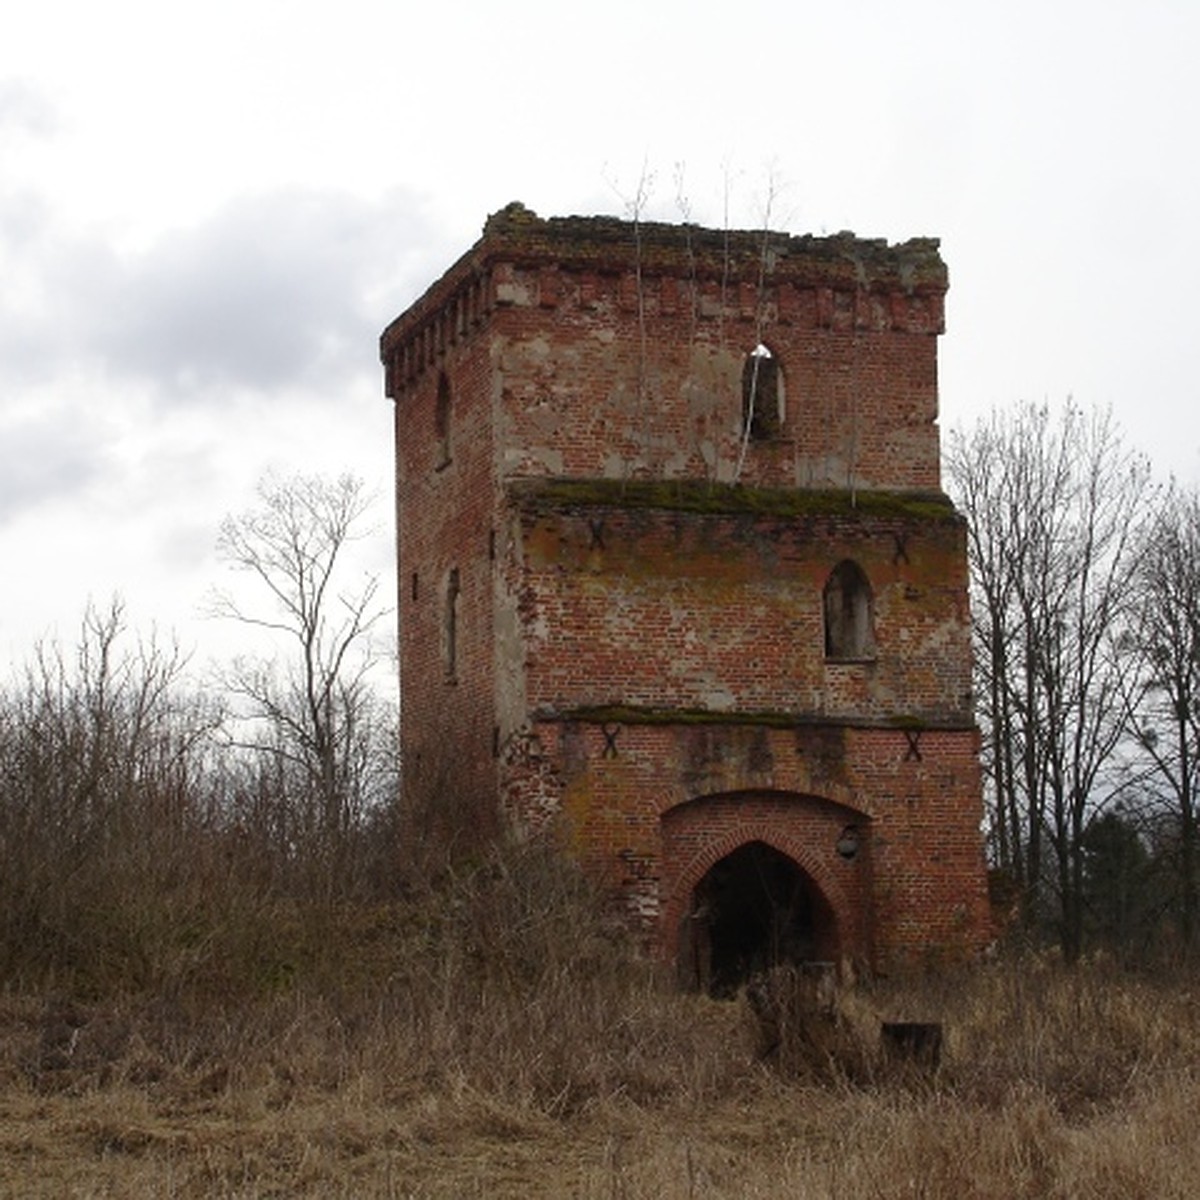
x,y
613,599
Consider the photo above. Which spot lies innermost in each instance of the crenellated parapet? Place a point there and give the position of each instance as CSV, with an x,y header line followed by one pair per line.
x,y
839,283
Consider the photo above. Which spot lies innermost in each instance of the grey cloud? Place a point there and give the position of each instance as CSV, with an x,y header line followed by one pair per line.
x,y
29,308
24,108
274,291
44,459
270,293
24,220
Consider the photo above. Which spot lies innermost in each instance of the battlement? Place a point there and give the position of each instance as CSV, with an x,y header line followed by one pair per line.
x,y
839,282
610,243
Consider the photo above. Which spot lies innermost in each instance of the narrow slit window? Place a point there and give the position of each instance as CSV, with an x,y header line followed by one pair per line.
x,y
442,421
450,627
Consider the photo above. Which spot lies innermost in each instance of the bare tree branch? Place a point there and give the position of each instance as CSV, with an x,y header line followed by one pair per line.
x,y
315,712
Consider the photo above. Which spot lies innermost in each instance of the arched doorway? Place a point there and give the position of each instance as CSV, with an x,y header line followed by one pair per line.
x,y
752,910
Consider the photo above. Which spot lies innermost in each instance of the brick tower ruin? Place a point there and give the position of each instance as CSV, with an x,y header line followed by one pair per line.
x,y
677,575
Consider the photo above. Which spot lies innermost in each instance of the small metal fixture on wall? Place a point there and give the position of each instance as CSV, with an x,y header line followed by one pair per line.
x,y
848,843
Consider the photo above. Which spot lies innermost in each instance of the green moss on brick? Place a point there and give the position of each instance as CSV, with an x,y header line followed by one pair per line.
x,y
629,714
701,496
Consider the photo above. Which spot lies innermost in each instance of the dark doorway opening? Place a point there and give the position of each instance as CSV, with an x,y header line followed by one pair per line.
x,y
753,910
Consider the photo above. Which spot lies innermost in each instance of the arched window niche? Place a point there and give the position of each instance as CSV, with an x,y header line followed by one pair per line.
x,y
849,614
762,395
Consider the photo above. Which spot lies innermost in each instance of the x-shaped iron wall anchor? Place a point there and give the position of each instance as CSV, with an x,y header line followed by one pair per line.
x,y
610,740
913,753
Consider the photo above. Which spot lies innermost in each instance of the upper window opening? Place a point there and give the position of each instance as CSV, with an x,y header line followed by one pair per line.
x,y
762,394
441,421
849,614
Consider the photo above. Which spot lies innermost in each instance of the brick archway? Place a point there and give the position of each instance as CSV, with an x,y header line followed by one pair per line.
x,y
699,833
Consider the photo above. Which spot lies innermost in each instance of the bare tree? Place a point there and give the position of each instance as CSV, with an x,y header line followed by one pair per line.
x,y
1054,507
982,473
316,717
1165,700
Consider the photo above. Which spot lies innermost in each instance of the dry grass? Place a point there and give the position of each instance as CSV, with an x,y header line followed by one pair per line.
x,y
498,1037
375,1131
202,997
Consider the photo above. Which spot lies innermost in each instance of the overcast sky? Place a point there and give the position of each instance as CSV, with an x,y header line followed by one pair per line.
x,y
209,212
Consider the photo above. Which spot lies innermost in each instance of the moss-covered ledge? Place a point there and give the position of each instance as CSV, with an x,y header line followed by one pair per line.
x,y
632,714
726,499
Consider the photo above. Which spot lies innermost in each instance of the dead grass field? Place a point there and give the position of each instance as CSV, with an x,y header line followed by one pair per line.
x,y
499,1038
148,1107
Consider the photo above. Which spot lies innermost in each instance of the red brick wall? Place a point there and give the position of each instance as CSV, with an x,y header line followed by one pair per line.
x,y
724,612
445,522
587,393
649,807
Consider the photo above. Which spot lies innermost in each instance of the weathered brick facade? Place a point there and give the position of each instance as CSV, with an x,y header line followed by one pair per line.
x,y
677,574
